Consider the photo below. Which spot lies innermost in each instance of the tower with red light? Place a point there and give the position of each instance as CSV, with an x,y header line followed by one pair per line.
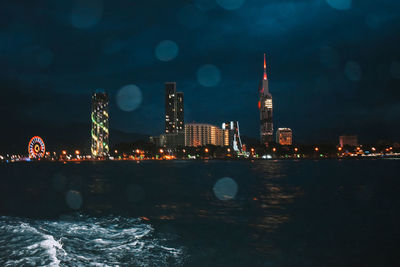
x,y
265,106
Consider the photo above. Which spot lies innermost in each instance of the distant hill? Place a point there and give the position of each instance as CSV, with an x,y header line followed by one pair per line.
x,y
72,136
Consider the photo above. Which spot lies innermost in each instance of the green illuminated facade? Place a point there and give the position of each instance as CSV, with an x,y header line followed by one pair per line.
x,y
100,132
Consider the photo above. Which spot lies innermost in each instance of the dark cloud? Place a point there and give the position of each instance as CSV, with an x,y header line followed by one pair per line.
x,y
55,63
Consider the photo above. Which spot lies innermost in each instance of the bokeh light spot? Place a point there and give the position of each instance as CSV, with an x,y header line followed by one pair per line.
x,y
191,17
166,50
129,97
205,4
135,193
395,69
353,71
59,182
208,75
230,4
225,188
74,199
44,58
329,57
340,4
86,13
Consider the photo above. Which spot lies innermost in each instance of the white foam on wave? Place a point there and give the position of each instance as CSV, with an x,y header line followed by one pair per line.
x,y
26,232
107,242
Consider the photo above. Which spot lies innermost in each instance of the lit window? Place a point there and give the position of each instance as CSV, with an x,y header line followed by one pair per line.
x,y
268,103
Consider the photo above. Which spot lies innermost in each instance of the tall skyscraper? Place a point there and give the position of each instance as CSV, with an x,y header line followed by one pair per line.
x,y
180,124
284,136
174,114
265,106
100,132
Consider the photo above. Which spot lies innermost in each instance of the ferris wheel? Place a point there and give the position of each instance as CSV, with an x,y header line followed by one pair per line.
x,y
36,148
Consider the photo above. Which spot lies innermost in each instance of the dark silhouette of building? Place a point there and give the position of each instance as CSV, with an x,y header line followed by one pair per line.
x,y
174,135
180,124
99,132
174,114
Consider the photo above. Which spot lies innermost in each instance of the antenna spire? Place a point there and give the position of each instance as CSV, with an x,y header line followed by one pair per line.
x,y
265,68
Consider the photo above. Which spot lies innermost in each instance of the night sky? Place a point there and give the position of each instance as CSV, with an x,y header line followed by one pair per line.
x,y
333,65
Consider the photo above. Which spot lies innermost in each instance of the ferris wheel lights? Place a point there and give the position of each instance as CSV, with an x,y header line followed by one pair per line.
x,y
36,148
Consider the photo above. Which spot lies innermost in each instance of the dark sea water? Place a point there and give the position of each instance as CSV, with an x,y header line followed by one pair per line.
x,y
196,213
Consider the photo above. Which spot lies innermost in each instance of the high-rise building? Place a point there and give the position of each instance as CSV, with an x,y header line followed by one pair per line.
x,y
100,132
265,106
174,135
348,140
199,134
174,114
284,136
180,119
232,135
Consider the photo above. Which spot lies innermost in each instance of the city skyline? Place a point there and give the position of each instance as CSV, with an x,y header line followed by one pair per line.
x,y
199,133
324,85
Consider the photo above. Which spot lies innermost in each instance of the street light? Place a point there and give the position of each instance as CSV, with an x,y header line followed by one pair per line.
x,y
316,149
206,150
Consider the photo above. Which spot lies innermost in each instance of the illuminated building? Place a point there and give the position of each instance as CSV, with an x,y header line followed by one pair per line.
x,y
348,140
174,135
265,106
174,114
232,135
284,136
199,134
100,132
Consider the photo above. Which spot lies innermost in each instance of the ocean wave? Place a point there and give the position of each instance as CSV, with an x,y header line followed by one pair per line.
x,y
82,240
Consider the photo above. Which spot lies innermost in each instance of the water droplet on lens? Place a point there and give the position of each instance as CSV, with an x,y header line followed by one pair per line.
x,y
86,13
59,182
225,188
135,193
44,58
208,75
191,17
353,71
395,69
74,199
230,4
129,97
205,4
340,4
329,57
166,50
